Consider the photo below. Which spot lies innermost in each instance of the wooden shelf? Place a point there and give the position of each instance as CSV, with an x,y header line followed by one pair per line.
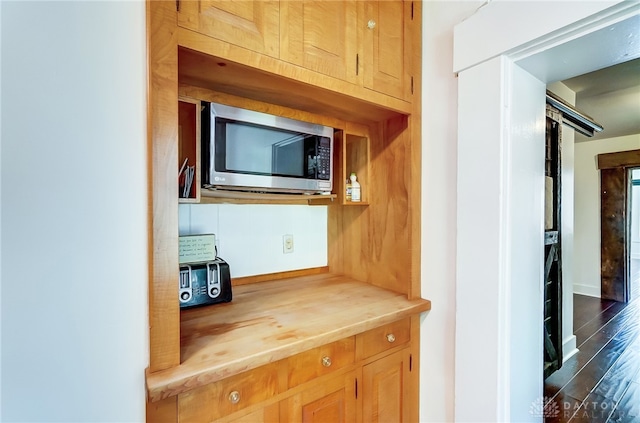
x,y
270,321
213,196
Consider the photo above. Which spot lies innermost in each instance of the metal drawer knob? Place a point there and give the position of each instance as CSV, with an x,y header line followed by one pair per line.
x,y
371,24
391,337
234,397
326,361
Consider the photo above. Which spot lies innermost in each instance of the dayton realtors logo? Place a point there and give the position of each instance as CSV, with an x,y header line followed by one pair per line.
x,y
591,410
544,407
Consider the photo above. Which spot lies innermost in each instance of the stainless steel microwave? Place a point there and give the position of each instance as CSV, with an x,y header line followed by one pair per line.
x,y
252,151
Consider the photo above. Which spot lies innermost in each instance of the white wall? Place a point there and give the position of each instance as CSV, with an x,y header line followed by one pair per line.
x,y
439,155
254,246
74,212
587,209
566,218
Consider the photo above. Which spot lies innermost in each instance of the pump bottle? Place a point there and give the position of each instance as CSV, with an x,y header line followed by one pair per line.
x,y
355,188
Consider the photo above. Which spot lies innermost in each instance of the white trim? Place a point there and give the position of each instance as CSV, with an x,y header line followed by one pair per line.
x,y
591,291
570,21
569,348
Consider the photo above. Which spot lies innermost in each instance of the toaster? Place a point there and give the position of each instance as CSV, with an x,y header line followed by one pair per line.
x,y
204,283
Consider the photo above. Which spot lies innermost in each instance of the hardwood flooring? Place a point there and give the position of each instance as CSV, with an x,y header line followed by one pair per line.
x,y
600,383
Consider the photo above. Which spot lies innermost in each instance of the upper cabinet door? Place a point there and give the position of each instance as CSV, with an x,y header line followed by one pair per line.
x,y
386,27
254,25
320,36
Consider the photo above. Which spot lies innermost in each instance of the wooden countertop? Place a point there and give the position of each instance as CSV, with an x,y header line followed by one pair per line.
x,y
269,321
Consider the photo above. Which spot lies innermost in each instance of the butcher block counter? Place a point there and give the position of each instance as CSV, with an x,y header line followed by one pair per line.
x,y
270,321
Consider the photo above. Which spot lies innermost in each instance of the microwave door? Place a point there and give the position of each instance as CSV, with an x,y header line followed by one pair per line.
x,y
288,157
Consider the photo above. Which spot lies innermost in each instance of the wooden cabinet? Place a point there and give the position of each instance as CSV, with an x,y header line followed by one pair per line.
x,y
321,36
367,44
260,357
364,43
323,384
320,361
219,399
387,27
333,400
249,24
384,389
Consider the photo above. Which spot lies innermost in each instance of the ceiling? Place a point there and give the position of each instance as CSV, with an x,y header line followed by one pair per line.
x,y
611,97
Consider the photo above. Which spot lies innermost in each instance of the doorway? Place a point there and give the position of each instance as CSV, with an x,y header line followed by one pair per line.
x,y
499,267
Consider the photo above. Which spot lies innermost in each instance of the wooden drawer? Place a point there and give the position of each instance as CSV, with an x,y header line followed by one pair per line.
x,y
384,338
320,361
218,399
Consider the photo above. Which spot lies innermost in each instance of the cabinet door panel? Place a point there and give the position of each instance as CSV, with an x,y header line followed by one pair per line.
x,y
250,24
385,47
384,383
321,36
331,401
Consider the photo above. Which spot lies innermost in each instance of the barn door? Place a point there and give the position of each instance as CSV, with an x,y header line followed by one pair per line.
x,y
552,247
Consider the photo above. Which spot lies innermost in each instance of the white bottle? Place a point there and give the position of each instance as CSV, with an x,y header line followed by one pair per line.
x,y
355,188
348,189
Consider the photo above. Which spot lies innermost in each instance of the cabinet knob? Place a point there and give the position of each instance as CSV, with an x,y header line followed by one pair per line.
x,y
326,361
391,337
371,24
234,397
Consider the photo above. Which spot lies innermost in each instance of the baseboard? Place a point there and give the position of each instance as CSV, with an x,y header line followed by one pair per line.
x,y
588,290
569,348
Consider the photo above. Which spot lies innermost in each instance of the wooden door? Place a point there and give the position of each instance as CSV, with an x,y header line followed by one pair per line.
x,y
385,26
552,323
320,36
254,25
333,400
615,237
383,389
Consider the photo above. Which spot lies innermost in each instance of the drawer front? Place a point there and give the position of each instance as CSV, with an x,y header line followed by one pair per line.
x,y
320,361
218,399
384,338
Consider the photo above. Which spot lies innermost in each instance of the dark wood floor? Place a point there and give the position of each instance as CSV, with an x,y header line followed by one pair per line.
x,y
601,383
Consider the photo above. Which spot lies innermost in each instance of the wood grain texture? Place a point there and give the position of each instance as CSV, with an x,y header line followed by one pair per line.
x,y
211,402
253,25
384,389
310,364
334,400
162,112
414,53
384,338
208,63
613,230
246,280
267,414
270,321
320,36
165,411
386,64
629,158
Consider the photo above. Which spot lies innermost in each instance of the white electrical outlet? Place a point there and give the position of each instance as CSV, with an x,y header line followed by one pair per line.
x,y
287,243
